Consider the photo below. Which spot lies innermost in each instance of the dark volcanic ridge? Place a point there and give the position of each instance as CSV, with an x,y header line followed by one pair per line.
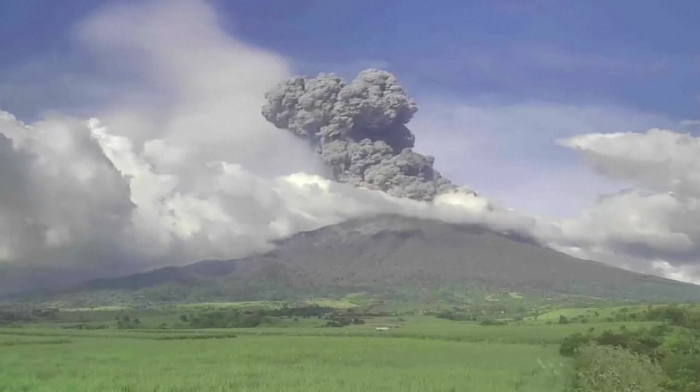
x,y
384,255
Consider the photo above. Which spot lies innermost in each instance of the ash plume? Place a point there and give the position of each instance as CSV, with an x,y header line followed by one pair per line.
x,y
359,131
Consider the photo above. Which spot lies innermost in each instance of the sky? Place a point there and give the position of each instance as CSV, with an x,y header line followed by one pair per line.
x,y
543,107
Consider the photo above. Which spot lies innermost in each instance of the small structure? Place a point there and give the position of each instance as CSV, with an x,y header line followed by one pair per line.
x,y
382,328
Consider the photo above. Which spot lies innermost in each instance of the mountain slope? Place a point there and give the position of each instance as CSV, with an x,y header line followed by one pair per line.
x,y
389,255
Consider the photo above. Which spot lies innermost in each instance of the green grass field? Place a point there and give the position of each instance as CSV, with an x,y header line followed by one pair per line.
x,y
277,363
416,353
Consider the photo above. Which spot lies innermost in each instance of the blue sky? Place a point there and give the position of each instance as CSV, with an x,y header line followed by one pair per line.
x,y
497,82
639,53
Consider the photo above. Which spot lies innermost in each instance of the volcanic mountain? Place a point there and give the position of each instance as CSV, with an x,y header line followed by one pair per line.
x,y
390,256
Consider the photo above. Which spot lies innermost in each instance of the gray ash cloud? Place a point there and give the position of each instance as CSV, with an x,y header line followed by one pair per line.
x,y
359,131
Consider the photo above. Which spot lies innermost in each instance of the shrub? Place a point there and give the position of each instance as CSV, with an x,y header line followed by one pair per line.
x,y
682,363
125,322
639,342
493,322
449,315
339,322
570,344
615,369
226,319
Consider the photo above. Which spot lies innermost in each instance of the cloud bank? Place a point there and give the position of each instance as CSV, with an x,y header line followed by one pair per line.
x,y
182,166
653,226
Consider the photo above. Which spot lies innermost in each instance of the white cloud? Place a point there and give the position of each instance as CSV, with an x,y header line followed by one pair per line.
x,y
659,160
684,273
61,199
631,220
658,220
199,90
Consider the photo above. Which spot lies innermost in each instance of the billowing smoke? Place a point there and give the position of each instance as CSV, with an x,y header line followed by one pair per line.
x,y
359,131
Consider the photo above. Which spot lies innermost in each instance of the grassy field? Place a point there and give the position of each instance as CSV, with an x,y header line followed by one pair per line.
x,y
415,327
594,314
418,352
277,363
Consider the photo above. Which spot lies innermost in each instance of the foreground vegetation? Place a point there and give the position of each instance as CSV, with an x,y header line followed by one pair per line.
x,y
615,369
322,345
279,363
663,358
